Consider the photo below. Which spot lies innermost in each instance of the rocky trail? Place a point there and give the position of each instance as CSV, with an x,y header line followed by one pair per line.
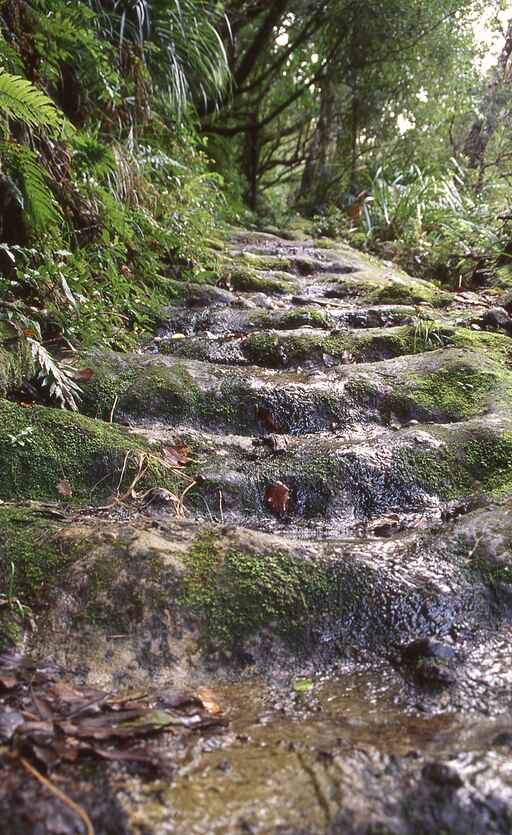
x,y
298,495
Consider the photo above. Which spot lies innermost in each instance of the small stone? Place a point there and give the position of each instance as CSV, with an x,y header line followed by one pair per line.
x,y
442,775
503,740
430,662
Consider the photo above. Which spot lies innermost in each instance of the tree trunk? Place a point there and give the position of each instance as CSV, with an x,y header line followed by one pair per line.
x,y
317,175
486,124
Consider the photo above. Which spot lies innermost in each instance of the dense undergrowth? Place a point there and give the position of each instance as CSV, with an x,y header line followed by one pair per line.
x,y
435,225
105,184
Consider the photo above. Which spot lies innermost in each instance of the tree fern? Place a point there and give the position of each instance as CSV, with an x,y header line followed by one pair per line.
x,y
38,201
19,99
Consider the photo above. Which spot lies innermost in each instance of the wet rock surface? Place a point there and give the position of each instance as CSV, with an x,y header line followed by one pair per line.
x,y
333,556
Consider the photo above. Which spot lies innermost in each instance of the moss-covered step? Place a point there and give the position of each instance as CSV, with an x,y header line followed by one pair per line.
x,y
289,349
446,385
313,347
245,279
335,486
53,454
381,287
128,602
229,319
306,263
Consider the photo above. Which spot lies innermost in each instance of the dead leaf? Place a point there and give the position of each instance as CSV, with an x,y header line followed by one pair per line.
x,y
8,682
64,488
84,374
278,497
176,456
208,701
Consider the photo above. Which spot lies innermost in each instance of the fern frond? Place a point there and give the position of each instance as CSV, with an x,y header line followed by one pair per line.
x,y
39,202
19,99
55,377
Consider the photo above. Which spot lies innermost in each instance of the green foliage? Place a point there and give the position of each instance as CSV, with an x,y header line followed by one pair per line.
x,y
432,224
20,100
179,43
37,199
56,377
112,212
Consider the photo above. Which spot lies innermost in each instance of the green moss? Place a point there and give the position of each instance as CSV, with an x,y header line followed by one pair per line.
x,y
488,459
31,560
439,472
40,447
247,281
275,350
498,345
236,594
160,391
266,262
412,292
477,463
31,556
457,392
301,316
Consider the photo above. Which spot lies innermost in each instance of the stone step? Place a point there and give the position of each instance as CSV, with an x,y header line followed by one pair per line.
x,y
448,385
371,484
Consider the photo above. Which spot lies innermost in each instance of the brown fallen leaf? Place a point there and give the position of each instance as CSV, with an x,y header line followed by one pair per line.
x,y
176,456
84,374
208,701
278,497
8,682
64,488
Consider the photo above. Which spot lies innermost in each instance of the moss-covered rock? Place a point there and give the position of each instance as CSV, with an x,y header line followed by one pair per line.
x,y
441,386
464,385
31,557
268,263
42,447
471,458
32,561
378,288
159,605
410,292
249,281
237,593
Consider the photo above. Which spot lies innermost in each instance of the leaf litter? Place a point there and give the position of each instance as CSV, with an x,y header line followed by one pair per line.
x,y
48,725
